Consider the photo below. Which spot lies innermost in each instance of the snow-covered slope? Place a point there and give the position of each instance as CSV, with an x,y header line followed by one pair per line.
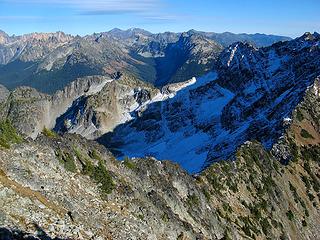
x,y
174,128
248,97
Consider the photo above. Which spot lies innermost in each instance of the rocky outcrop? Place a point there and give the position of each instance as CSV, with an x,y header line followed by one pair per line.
x,y
249,96
31,111
116,103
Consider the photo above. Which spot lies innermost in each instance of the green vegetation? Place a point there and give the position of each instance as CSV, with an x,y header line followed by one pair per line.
x,y
268,183
246,230
165,217
255,211
128,163
274,223
306,182
314,181
8,134
294,150
304,223
206,193
95,155
226,236
300,116
193,200
99,174
305,134
226,207
49,133
298,199
311,153
310,196
290,215
140,216
248,227
265,225
232,186
214,180
294,192
67,160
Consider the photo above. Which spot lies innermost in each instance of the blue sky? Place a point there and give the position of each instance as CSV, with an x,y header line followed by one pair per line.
x,y
285,17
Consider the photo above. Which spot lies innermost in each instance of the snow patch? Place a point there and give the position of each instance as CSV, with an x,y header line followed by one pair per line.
x,y
233,51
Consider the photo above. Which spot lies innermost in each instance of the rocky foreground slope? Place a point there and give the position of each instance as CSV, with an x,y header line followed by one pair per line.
x,y
66,187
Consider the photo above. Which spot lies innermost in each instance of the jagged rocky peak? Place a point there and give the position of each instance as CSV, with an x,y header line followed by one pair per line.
x,y
304,42
43,58
129,33
192,40
308,36
238,65
167,37
31,110
58,37
3,37
249,94
238,55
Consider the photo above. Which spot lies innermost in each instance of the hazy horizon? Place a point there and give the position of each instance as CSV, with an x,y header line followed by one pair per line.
x,y
122,29
289,18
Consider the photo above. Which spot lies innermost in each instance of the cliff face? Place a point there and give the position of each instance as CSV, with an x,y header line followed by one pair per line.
x,y
100,112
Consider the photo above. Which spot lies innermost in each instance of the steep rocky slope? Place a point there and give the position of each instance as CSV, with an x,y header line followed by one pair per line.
x,y
69,187
191,56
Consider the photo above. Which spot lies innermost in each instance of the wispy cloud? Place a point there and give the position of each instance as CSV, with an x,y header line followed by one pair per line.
x,y
99,7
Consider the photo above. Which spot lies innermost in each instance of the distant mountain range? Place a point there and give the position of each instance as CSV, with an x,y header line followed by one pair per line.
x,y
49,61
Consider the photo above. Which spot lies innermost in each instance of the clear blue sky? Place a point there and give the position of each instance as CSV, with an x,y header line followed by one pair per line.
x,y
285,17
